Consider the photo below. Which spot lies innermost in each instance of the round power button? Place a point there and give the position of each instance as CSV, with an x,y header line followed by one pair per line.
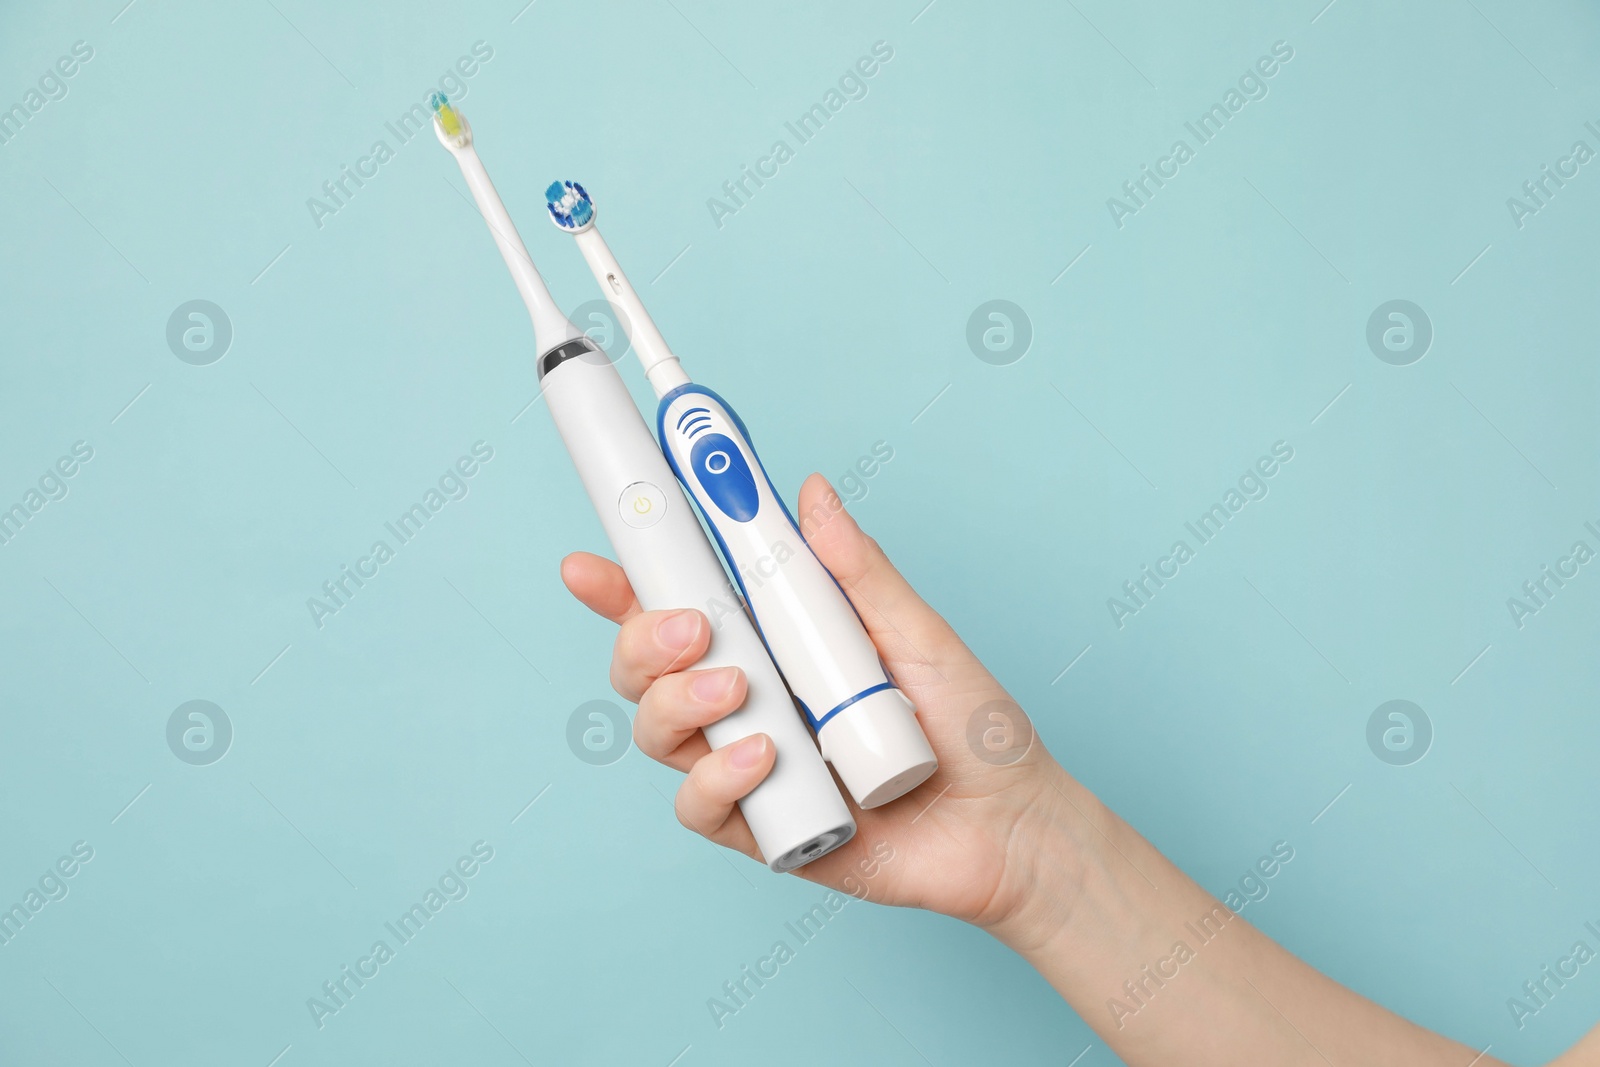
x,y
642,505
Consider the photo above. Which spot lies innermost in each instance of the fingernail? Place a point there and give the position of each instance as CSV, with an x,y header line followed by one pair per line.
x,y
678,629
712,686
747,753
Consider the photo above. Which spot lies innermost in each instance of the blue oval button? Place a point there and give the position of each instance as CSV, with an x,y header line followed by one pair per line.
x,y
725,476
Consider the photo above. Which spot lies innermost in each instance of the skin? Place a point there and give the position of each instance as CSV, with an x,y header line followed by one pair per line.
x,y
1023,851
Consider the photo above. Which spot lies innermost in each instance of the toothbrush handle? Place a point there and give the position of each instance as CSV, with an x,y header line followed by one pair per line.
x,y
814,634
797,813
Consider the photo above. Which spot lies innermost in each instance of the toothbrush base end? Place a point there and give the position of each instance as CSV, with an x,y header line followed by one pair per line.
x,y
814,849
877,747
899,785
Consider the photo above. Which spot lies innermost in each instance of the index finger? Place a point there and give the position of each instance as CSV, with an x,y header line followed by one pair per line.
x,y
600,585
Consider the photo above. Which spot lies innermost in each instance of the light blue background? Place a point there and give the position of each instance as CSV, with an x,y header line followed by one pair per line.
x,y
831,310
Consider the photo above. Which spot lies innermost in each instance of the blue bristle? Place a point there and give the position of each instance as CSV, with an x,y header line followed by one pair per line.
x,y
558,194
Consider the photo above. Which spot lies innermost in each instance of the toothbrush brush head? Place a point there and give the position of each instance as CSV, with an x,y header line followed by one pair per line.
x,y
571,209
449,124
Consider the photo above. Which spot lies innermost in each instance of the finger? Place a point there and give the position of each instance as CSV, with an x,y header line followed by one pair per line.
x,y
600,586
673,710
706,801
654,643
888,605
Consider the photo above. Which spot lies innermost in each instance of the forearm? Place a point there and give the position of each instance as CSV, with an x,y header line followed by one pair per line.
x,y
1166,974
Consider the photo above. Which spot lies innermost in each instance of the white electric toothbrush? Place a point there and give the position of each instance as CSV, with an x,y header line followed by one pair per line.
x,y
867,728
797,814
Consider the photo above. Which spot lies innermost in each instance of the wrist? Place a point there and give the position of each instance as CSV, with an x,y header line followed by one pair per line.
x,y
1053,859
1089,911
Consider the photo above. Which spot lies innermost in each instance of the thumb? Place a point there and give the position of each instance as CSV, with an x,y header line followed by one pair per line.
x,y
900,622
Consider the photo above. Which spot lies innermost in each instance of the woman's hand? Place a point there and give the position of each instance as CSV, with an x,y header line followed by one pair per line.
x,y
960,840
1017,847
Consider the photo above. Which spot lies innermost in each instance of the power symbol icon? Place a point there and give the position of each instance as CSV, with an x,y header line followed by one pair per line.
x,y
641,505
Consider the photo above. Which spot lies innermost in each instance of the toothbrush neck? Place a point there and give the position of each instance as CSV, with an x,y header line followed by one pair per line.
x,y
661,367
550,326
666,375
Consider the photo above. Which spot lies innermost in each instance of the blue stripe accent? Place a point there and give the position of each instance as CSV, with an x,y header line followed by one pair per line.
x,y
686,414
818,724
801,535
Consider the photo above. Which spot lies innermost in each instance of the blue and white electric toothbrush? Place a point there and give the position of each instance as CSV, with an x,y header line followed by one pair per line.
x,y
797,813
867,728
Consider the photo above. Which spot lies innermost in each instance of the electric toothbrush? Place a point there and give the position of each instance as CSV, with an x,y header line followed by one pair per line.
x,y
866,726
797,813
